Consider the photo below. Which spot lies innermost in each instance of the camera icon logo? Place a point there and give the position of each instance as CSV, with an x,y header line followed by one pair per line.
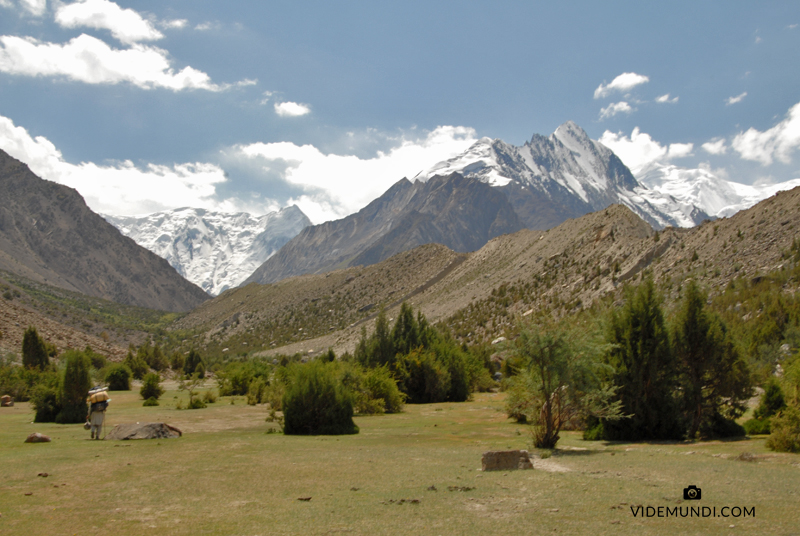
x,y
692,493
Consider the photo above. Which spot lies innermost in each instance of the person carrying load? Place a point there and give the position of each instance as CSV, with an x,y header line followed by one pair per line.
x,y
98,403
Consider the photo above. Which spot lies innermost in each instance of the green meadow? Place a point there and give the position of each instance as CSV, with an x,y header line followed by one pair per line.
x,y
416,472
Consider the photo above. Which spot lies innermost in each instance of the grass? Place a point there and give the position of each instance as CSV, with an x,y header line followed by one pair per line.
x,y
227,476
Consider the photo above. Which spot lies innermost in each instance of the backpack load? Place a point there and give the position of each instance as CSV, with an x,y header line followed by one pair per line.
x,y
98,399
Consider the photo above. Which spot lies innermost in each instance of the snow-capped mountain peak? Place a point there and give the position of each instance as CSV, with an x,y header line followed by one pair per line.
x,y
215,250
564,175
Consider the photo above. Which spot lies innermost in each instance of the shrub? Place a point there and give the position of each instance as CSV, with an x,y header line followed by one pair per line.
x,y
97,361
316,404
718,427
757,426
118,378
772,400
177,361
136,365
423,378
196,403
209,397
44,399
193,361
151,402
256,393
380,385
785,435
74,389
151,386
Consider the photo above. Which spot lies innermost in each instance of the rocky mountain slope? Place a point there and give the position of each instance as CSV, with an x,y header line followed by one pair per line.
x,y
214,250
565,175
478,295
48,234
460,213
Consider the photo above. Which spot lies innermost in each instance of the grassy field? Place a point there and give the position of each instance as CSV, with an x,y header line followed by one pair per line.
x,y
227,476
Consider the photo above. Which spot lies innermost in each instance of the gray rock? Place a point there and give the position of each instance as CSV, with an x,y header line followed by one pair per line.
x,y
149,430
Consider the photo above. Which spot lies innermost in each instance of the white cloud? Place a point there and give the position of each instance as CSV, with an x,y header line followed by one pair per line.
x,y
623,82
176,24
291,109
124,24
776,143
338,185
615,108
736,99
204,26
6,4
90,60
639,151
664,99
122,188
34,7
715,146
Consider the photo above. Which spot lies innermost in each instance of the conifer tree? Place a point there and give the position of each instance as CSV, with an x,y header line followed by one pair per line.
x,y
34,350
711,368
74,389
645,371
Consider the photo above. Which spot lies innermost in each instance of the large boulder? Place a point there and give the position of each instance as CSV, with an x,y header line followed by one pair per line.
x,y
504,460
148,430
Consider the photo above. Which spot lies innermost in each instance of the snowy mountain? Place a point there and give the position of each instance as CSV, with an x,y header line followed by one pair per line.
x,y
702,188
214,250
566,175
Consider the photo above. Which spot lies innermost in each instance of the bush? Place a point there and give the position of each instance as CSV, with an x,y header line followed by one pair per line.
x,y
772,400
380,385
74,389
209,397
316,403
196,403
193,361
785,436
151,402
757,426
97,361
177,361
44,399
423,378
718,427
118,378
136,365
151,386
256,393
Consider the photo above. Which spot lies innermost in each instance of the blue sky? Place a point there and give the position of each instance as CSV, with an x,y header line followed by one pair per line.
x,y
149,105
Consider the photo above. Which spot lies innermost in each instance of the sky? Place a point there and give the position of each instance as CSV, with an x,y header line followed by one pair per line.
x,y
253,106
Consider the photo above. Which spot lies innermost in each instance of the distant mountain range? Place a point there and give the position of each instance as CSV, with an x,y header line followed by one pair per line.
x,y
493,188
214,250
458,212
49,235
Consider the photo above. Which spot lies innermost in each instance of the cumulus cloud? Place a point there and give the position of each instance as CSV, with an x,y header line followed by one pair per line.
x,y
126,25
6,4
337,185
34,7
615,108
779,142
664,99
623,82
176,24
291,109
90,60
121,188
640,150
715,146
736,99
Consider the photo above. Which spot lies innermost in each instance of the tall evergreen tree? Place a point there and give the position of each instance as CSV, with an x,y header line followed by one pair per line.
x,y
34,350
712,371
405,333
74,389
645,371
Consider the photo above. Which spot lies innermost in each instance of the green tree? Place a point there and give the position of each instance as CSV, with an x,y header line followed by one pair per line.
x,y
560,383
315,403
74,388
151,386
193,361
34,350
712,372
405,334
644,368
772,401
136,364
118,378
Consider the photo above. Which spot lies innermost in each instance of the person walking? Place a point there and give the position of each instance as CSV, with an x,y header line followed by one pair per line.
x,y
98,403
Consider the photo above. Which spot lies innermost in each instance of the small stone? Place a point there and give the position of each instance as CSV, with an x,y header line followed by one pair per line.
x,y
304,499
43,475
36,437
28,494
